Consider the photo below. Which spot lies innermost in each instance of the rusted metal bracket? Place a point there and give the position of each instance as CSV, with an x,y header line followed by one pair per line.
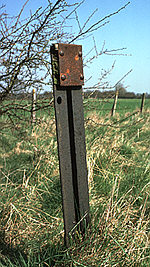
x,y
69,65
67,61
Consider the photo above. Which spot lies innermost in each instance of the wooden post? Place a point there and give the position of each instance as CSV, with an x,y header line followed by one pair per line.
x,y
33,111
114,104
68,78
142,102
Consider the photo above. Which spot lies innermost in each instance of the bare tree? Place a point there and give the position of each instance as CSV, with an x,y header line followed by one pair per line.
x,y
25,46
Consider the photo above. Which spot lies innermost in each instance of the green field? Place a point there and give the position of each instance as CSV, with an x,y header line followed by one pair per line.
x,y
118,160
103,107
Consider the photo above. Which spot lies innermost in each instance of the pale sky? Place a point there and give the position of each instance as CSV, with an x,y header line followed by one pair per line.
x,y
130,28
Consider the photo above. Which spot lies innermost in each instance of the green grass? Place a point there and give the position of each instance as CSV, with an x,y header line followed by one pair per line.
x,y
31,221
103,107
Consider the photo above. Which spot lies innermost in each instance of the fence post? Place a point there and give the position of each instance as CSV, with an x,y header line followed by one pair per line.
x,y
67,68
142,102
114,104
33,110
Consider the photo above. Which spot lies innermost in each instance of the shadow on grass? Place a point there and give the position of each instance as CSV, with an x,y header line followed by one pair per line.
x,y
9,255
52,255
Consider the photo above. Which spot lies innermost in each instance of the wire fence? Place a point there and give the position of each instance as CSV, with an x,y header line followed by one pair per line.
x,y
33,109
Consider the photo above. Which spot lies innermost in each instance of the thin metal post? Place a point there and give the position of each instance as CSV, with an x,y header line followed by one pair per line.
x,y
67,87
114,104
142,102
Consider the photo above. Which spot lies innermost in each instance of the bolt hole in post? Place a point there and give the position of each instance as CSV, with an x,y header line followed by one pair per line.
x,y
59,100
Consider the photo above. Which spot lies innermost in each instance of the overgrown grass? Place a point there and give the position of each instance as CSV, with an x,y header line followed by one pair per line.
x,y
31,223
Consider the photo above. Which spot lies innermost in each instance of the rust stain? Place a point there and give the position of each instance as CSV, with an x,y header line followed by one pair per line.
x,y
76,58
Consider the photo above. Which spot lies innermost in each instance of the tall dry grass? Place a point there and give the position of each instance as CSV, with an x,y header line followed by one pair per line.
x,y
118,172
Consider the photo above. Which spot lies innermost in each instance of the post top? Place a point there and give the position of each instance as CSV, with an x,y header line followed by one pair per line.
x,y
70,64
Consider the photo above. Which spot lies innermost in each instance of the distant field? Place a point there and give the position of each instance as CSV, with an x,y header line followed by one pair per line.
x,y
103,107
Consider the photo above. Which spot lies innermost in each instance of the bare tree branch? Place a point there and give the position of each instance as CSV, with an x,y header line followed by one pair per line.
x,y
96,25
42,24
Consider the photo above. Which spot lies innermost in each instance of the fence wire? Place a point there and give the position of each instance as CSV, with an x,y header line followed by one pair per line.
x,y
16,112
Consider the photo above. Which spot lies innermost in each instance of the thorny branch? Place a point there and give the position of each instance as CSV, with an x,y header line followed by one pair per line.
x,y
96,25
25,45
42,24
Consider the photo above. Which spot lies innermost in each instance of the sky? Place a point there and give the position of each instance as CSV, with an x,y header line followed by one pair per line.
x,y
129,29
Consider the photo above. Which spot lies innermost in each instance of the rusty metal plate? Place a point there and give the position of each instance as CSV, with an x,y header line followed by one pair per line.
x,y
70,65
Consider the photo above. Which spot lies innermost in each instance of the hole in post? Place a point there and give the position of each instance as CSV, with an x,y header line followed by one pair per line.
x,y
59,100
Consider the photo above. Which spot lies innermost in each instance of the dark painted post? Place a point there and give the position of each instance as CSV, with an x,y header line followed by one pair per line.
x,y
67,67
142,102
